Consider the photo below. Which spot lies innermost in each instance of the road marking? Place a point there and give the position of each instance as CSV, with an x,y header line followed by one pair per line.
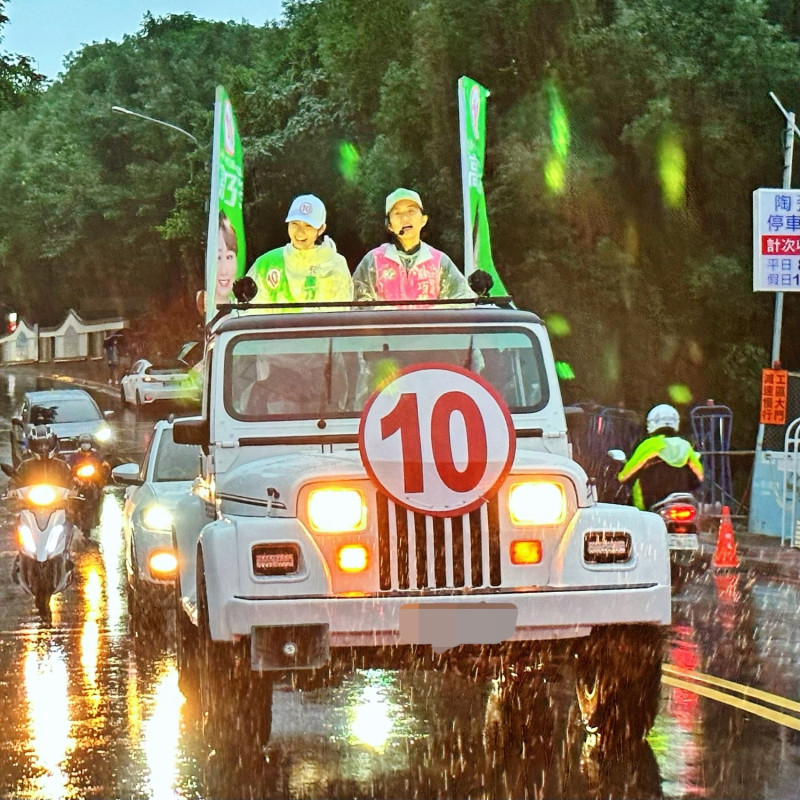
x,y
736,702
747,691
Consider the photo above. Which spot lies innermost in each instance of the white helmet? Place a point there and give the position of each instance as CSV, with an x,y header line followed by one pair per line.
x,y
663,416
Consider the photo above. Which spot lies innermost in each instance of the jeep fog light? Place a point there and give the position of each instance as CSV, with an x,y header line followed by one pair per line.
x,y
352,558
537,503
336,510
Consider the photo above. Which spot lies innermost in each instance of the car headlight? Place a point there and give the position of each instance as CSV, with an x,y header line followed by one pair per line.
x,y
42,495
105,434
537,503
336,510
157,518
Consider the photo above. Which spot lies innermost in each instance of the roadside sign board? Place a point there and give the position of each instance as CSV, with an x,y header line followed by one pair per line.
x,y
774,391
437,439
776,240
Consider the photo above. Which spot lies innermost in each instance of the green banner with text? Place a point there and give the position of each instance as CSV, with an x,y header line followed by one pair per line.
x,y
225,249
472,122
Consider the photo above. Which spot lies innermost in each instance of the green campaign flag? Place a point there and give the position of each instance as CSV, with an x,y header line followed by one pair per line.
x,y
472,122
225,251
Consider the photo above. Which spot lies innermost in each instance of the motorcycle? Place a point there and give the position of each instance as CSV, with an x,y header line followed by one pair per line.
x,y
43,566
680,512
90,474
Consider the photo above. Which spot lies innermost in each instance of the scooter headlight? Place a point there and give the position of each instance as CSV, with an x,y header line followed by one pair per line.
x,y
85,471
42,495
26,540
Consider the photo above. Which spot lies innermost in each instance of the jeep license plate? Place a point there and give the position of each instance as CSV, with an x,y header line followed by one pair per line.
x,y
682,541
446,625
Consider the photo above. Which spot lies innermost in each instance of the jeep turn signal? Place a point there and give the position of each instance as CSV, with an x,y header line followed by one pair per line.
x,y
336,510
537,503
526,552
352,558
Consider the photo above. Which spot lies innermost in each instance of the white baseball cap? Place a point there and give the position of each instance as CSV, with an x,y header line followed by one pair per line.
x,y
307,208
402,194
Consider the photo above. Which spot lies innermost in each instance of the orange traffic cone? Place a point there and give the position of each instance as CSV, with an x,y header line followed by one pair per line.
x,y
725,555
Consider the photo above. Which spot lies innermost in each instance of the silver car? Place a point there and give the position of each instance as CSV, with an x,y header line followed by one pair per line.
x,y
69,413
165,476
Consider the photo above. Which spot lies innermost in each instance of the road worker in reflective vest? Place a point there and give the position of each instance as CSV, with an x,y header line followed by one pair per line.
x,y
662,463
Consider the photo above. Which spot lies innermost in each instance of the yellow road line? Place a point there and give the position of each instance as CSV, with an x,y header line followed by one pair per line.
x,y
747,691
736,702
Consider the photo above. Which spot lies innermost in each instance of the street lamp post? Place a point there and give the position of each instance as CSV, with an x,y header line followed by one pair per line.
x,y
121,110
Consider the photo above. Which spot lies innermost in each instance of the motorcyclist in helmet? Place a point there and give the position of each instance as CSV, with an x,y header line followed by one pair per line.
x,y
42,464
663,462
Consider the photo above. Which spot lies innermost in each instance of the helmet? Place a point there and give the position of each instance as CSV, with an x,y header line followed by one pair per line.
x,y
42,442
85,442
663,416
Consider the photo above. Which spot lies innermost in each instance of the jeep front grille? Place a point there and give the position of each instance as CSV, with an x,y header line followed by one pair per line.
x,y
416,551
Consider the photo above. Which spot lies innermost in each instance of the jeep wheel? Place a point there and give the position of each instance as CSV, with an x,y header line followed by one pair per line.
x,y
236,702
618,682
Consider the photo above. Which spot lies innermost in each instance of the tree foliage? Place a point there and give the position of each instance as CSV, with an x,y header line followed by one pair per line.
x,y
625,140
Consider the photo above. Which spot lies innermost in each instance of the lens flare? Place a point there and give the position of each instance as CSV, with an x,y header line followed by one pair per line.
x,y
672,169
679,393
348,161
557,325
556,166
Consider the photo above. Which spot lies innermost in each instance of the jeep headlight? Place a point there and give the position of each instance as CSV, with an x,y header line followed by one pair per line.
x,y
537,503
157,518
336,510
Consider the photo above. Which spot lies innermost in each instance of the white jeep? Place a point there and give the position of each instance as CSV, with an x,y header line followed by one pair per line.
x,y
394,486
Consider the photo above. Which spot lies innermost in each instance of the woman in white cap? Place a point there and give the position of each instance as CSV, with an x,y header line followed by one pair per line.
x,y
408,268
307,269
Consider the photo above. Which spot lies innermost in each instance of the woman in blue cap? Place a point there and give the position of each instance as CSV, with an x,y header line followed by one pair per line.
x,y
307,269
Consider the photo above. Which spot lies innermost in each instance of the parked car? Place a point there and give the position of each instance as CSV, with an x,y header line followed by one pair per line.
x,y
165,475
148,382
69,413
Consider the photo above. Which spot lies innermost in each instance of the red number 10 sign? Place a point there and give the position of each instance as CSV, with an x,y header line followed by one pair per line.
x,y
437,439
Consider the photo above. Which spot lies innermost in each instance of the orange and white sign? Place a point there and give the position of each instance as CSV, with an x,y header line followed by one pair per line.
x,y
774,393
437,439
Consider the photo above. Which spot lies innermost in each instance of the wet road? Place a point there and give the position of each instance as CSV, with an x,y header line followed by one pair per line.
x,y
92,710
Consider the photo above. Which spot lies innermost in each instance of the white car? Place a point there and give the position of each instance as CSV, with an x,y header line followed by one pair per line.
x,y
148,382
166,475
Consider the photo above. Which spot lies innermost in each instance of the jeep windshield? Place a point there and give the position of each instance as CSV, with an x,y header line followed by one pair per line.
x,y
271,376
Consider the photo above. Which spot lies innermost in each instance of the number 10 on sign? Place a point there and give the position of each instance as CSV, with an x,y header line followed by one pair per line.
x,y
438,439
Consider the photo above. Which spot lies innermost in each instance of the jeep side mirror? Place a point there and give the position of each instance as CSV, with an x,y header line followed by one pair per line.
x,y
191,431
